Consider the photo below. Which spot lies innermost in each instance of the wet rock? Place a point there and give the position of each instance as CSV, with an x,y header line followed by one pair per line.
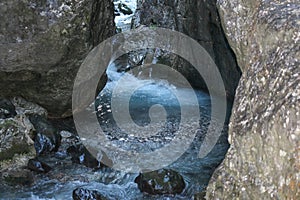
x,y
38,166
18,177
160,182
81,155
43,44
47,138
7,109
85,194
264,157
124,9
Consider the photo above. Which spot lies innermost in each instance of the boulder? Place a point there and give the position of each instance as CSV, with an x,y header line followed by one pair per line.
x,y
263,161
160,182
43,44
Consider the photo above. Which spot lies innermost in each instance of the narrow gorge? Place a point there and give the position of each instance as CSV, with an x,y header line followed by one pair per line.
x,y
137,129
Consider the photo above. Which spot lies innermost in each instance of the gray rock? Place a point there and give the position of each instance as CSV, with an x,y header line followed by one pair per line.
x,y
263,161
43,44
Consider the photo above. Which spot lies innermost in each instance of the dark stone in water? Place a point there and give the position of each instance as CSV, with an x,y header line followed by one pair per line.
x,y
162,181
47,138
38,166
85,194
124,9
7,109
81,155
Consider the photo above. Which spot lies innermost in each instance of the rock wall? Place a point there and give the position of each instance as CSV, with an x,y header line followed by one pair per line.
x,y
263,161
43,44
198,19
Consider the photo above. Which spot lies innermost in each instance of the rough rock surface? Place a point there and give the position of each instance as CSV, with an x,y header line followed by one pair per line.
x,y
198,19
263,161
162,181
43,44
17,132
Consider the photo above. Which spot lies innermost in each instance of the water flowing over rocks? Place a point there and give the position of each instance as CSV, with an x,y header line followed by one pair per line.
x,y
263,161
198,19
43,44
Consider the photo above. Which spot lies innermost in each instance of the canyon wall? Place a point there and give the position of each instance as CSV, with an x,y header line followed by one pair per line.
x,y
263,161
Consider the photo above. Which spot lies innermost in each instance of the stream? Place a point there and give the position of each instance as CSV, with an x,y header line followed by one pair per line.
x,y
119,185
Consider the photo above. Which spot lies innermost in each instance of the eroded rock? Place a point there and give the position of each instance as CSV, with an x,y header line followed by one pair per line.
x,y
263,161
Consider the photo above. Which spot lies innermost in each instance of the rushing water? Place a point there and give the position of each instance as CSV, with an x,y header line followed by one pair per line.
x,y
66,177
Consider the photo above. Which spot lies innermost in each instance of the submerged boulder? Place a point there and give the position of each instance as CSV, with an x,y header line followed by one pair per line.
x,y
43,44
160,182
263,161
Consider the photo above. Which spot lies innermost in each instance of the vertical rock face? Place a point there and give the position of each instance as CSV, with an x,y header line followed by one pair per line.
x,y
198,19
43,44
263,161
